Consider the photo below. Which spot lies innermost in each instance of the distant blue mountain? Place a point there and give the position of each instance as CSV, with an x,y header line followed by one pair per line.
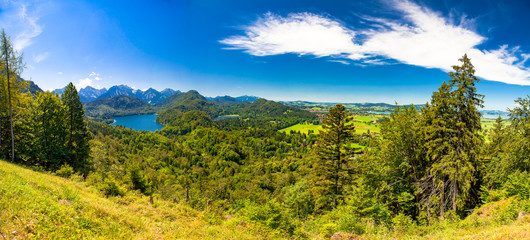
x,y
89,93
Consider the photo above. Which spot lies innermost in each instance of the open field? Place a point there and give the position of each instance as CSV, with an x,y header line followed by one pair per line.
x,y
362,123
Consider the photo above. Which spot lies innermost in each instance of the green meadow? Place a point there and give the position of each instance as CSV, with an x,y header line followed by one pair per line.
x,y
362,123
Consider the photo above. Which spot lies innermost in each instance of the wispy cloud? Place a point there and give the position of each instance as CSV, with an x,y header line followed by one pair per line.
x,y
41,57
89,81
422,38
21,21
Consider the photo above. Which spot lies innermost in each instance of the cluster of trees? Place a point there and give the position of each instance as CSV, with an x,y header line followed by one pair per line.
x,y
425,165
436,163
45,130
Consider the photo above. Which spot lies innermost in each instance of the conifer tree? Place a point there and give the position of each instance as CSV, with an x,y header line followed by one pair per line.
x,y
452,140
334,154
78,134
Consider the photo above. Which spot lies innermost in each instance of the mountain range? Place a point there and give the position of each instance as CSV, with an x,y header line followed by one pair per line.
x,y
150,96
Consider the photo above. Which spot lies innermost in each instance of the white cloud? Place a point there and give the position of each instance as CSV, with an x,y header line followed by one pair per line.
x,y
41,57
83,83
29,28
422,38
89,81
340,61
59,73
302,33
20,21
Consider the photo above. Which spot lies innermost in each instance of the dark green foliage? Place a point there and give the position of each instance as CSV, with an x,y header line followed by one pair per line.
x,y
334,166
117,106
451,127
261,114
78,134
50,130
183,123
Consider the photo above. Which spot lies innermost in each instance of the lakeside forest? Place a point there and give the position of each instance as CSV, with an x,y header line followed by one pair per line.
x,y
428,173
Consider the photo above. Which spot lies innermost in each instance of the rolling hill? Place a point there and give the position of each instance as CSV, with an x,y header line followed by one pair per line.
x,y
117,106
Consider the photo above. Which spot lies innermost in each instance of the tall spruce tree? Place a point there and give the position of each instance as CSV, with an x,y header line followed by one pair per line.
x,y
78,134
452,141
333,167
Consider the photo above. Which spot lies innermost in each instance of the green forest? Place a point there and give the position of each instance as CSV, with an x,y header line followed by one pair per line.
x,y
429,173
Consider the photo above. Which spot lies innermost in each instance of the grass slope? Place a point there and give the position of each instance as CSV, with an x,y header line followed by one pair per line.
x,y
41,206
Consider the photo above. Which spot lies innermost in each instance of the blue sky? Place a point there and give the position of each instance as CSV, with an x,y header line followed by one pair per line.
x,y
329,51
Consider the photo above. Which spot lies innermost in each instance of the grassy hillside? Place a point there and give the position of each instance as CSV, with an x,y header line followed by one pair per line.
x,y
41,206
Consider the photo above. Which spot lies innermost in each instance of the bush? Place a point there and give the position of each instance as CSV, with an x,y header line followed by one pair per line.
x,y
65,171
271,214
111,188
402,222
518,184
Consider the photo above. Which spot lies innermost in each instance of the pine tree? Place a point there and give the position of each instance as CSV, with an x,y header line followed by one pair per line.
x,y
333,168
78,135
451,126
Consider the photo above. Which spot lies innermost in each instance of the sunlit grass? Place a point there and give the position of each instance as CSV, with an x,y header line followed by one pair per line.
x,y
41,206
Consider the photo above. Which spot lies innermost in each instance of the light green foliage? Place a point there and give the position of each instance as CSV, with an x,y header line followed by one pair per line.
x,y
65,171
40,206
14,136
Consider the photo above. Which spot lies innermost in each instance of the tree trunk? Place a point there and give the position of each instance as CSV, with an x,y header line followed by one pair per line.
x,y
455,193
10,106
187,195
442,203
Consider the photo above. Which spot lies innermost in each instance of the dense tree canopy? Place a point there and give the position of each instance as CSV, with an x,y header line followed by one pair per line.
x,y
425,166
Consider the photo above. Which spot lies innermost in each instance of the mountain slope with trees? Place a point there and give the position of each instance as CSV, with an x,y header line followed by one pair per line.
x,y
429,174
120,105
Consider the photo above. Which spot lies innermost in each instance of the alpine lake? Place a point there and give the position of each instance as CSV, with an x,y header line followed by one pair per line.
x,y
139,122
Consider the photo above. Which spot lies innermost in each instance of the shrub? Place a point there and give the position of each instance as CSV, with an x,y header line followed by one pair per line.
x,y
65,171
402,222
111,188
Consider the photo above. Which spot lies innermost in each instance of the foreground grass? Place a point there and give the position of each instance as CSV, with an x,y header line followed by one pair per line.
x,y
36,205
40,206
